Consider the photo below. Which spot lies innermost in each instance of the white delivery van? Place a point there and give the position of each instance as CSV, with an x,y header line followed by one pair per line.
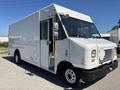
x,y
64,42
115,35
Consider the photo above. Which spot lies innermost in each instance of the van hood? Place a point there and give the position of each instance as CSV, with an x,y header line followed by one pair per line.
x,y
101,43
80,48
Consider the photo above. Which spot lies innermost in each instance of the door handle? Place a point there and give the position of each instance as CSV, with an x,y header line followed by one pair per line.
x,y
48,42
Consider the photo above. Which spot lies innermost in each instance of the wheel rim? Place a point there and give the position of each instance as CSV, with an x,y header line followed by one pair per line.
x,y
16,58
70,76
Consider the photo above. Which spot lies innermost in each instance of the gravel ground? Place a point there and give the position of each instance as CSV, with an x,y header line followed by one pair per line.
x,y
29,77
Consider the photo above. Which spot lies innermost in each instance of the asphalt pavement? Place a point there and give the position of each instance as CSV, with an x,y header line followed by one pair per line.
x,y
30,77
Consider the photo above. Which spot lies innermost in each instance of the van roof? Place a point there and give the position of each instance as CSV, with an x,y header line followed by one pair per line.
x,y
62,10
72,13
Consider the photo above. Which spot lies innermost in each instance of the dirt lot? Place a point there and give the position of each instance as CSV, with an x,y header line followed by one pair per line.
x,y
3,48
29,77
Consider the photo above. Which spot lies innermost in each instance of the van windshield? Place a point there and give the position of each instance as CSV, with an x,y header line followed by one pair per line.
x,y
79,28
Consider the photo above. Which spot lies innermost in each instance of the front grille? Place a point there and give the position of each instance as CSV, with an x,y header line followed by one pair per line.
x,y
108,55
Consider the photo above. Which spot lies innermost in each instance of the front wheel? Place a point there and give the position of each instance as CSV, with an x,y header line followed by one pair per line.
x,y
72,77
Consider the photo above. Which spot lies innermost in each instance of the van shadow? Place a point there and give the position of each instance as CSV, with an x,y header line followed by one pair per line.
x,y
33,70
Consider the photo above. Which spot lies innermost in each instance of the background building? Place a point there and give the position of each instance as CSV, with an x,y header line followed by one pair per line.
x,y
3,38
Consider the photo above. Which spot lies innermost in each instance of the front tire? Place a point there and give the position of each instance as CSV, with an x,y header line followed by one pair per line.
x,y
17,58
72,77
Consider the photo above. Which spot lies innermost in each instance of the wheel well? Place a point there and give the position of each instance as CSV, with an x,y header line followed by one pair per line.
x,y
17,51
62,65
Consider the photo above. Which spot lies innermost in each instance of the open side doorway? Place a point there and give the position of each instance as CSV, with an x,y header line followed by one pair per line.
x,y
51,46
47,45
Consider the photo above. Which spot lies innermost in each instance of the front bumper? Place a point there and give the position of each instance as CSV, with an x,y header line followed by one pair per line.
x,y
97,73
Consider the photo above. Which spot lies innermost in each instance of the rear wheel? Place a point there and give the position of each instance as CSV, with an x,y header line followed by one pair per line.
x,y
17,58
72,77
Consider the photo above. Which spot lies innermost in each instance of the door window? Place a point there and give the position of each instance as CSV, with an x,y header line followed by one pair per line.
x,y
44,30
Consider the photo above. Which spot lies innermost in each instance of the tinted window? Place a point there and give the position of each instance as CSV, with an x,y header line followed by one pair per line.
x,y
61,32
44,30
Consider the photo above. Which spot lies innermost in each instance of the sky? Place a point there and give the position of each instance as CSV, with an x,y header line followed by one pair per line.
x,y
105,13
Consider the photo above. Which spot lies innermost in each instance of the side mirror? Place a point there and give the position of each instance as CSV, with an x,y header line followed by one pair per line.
x,y
55,26
55,35
55,29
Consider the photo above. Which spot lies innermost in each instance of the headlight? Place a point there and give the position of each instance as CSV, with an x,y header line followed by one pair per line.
x,y
115,51
93,54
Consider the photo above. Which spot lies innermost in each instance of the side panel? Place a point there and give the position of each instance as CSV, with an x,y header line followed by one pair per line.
x,y
62,51
25,36
44,54
77,53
